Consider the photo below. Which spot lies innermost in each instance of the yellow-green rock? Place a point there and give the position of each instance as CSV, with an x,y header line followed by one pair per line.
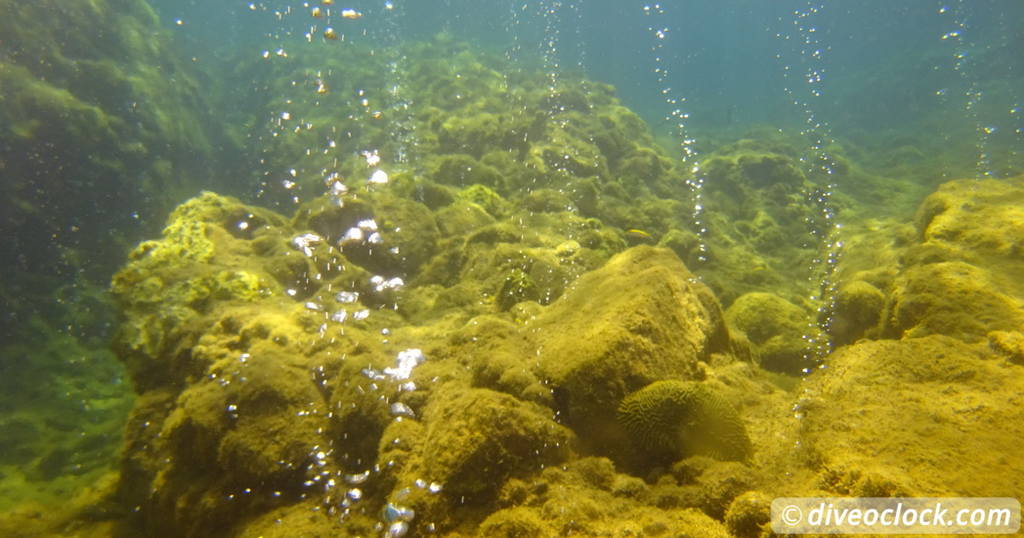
x,y
777,329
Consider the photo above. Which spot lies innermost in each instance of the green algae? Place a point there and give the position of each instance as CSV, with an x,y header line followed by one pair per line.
x,y
64,399
775,327
519,441
94,142
87,116
537,325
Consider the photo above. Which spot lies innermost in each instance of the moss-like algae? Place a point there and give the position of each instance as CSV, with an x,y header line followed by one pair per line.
x,y
509,427
87,118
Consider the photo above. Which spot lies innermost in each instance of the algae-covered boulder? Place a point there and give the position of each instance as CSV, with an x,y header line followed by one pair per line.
x,y
951,298
248,423
640,318
478,438
858,310
866,416
471,441
588,497
671,419
381,232
776,327
749,515
980,219
172,282
964,277
759,213
230,343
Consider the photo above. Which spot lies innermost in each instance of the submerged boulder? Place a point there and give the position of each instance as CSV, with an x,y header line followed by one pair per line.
x,y
641,318
934,401
776,328
963,276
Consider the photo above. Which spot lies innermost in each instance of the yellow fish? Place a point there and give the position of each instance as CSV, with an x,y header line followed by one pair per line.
x,y
634,233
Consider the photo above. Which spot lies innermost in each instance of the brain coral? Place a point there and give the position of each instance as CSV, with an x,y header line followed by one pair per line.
x,y
674,419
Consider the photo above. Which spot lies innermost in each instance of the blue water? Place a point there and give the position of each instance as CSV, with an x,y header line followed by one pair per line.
x,y
885,65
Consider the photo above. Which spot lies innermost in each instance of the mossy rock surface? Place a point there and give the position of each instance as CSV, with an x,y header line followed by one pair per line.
x,y
589,498
867,413
639,318
88,122
951,298
858,312
554,358
477,438
963,276
776,328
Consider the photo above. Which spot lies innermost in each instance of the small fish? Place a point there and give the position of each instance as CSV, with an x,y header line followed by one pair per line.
x,y
634,233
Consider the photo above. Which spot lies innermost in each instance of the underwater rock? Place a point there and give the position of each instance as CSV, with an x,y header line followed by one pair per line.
x,y
170,283
950,298
517,522
478,134
706,483
639,318
508,265
471,442
865,416
1009,344
749,515
587,497
382,233
982,220
684,243
487,198
548,201
517,287
246,429
964,277
477,438
461,217
858,310
463,171
234,367
758,212
775,327
88,123
247,419
669,420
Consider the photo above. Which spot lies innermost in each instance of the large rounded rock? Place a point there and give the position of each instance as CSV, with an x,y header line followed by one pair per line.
x,y
964,278
640,318
477,438
776,327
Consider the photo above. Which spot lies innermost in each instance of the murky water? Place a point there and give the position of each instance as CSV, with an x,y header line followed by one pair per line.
x,y
504,268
